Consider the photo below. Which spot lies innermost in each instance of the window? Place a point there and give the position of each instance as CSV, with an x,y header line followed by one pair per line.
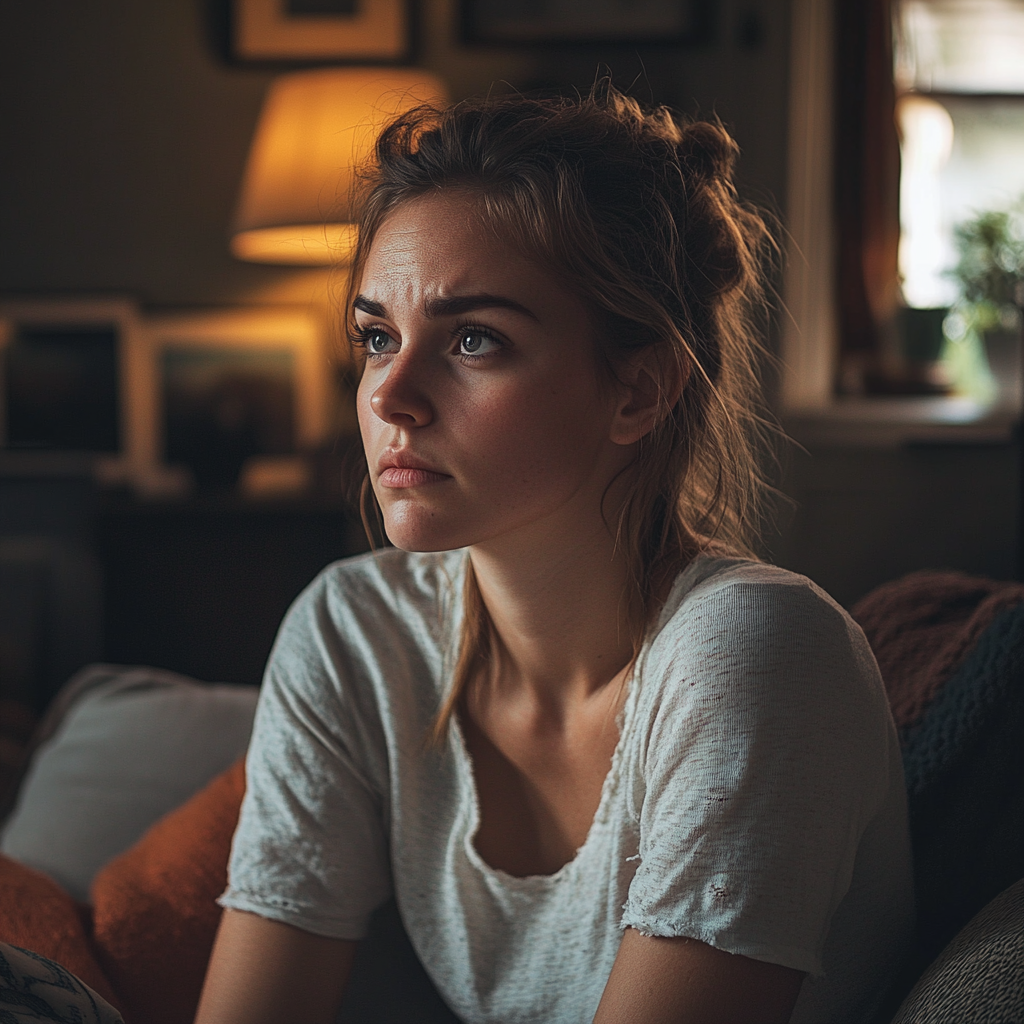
x,y
959,71
936,86
959,76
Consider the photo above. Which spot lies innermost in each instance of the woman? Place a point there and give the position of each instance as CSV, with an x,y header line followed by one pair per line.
x,y
611,766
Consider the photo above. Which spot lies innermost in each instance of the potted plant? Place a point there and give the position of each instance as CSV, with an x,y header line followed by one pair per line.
x,y
990,273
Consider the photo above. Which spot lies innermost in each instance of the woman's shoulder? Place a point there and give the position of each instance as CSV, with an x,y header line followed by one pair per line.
x,y
761,629
387,579
740,596
386,598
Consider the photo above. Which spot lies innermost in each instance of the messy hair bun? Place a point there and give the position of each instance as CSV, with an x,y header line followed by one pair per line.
x,y
638,214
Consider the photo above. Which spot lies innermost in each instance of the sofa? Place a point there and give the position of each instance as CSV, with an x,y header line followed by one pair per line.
x,y
115,847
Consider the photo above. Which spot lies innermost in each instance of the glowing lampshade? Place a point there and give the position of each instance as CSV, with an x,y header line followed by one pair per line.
x,y
316,128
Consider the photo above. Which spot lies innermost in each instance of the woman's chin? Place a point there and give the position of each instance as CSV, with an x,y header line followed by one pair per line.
x,y
423,536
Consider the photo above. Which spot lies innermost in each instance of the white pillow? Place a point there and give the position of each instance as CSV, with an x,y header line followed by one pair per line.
x,y
136,743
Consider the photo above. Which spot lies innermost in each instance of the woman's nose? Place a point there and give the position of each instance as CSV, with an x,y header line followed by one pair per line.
x,y
401,398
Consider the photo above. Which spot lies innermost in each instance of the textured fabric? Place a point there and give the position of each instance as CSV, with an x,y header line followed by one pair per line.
x,y
979,978
965,775
923,625
951,651
37,914
35,989
755,799
154,908
133,745
987,680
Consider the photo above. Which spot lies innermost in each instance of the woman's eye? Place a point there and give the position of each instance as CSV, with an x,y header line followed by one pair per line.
x,y
379,342
476,343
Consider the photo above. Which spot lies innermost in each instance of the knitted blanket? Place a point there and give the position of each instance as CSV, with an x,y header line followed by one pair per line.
x,y
951,651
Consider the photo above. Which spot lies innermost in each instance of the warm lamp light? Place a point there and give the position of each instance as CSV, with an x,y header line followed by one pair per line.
x,y
316,128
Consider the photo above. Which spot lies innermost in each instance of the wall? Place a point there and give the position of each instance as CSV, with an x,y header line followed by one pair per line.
x,y
125,141
863,514
125,134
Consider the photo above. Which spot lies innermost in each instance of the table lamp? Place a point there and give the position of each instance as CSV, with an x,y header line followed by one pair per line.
x,y
316,128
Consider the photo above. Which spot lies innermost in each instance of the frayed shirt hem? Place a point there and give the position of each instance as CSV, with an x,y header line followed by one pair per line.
x,y
785,956
286,912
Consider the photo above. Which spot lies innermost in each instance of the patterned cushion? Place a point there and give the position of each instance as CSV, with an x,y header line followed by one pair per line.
x,y
979,976
33,988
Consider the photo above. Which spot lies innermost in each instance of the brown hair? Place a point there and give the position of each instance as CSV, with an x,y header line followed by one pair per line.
x,y
637,214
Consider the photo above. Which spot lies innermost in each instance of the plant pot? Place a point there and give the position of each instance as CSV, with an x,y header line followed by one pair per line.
x,y
1004,350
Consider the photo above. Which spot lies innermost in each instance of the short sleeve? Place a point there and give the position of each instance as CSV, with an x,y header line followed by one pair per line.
x,y
310,848
766,755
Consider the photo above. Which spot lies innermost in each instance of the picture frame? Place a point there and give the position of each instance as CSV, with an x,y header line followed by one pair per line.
x,y
74,382
572,22
235,384
336,31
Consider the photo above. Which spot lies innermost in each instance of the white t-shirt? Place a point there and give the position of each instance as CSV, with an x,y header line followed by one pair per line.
x,y
755,799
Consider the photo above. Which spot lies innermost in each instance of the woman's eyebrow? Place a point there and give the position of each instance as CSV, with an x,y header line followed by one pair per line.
x,y
457,304
452,306
369,307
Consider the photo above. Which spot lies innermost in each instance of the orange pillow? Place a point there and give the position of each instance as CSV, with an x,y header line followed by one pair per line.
x,y
37,914
154,909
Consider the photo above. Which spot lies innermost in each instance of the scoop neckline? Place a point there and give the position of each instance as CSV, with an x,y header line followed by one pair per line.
x,y
471,803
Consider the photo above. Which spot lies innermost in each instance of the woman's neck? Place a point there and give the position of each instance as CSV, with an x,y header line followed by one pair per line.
x,y
558,600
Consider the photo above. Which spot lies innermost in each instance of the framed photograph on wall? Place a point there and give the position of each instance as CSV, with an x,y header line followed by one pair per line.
x,y
74,379
237,385
533,22
356,31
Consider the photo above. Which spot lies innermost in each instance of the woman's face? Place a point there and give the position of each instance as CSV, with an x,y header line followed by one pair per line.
x,y
482,410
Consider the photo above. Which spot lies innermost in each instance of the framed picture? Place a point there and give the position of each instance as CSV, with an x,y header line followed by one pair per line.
x,y
322,30
74,379
237,385
532,22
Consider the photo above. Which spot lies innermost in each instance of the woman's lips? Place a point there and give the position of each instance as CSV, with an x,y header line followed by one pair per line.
x,y
403,476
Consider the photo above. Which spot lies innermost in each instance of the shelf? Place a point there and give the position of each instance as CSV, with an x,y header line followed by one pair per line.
x,y
893,422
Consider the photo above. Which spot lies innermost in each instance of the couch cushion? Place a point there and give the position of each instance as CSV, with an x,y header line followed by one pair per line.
x,y
134,744
36,914
979,976
155,910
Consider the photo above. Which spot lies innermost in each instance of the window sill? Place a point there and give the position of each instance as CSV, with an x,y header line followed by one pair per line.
x,y
893,422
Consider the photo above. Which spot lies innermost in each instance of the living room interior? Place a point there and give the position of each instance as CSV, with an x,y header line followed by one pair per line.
x,y
129,131
144,539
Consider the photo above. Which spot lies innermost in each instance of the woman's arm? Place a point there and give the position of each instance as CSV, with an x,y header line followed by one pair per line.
x,y
266,972
679,981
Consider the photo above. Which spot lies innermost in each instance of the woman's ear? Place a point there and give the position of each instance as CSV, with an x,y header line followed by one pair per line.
x,y
649,385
